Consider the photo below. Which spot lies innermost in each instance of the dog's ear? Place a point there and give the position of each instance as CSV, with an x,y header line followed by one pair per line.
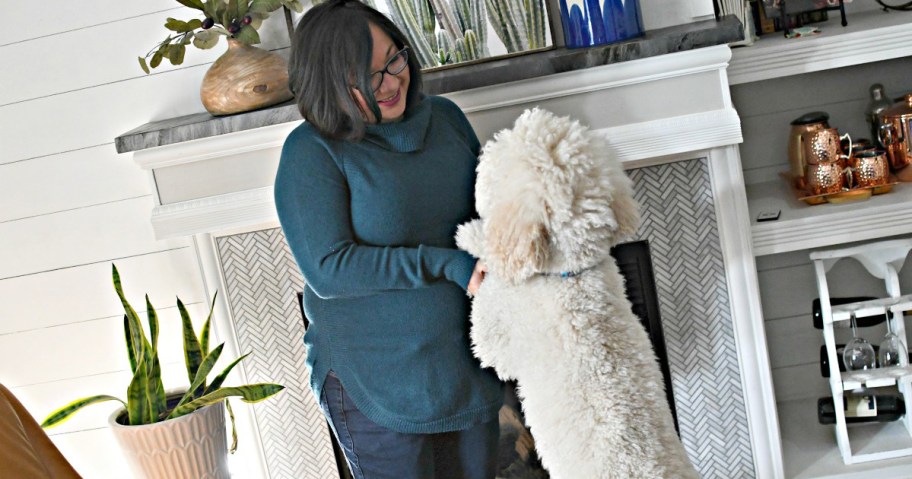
x,y
624,207
516,240
470,238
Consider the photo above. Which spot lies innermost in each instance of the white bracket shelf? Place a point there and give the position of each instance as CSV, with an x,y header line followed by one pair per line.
x,y
873,307
870,36
875,378
801,226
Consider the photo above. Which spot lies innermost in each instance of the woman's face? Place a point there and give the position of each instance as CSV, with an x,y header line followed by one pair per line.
x,y
394,88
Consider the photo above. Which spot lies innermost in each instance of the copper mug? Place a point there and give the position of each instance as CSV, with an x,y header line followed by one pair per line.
x,y
870,168
808,122
828,178
823,146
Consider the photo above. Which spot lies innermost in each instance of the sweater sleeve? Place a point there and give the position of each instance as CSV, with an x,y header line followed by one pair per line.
x,y
312,202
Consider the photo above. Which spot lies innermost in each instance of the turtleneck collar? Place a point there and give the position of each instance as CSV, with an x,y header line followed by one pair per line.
x,y
406,135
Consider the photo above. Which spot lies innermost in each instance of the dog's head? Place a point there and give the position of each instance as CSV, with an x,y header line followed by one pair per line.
x,y
551,197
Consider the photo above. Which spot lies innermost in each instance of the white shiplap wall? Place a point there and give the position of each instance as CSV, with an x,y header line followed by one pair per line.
x,y
70,206
787,282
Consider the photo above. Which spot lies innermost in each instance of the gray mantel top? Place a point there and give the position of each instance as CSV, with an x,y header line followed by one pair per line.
x,y
446,80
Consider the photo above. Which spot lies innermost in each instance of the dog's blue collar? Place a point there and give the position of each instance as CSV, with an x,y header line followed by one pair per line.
x,y
570,274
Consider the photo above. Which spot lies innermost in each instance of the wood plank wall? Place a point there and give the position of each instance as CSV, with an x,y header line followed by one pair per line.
x,y
70,206
787,281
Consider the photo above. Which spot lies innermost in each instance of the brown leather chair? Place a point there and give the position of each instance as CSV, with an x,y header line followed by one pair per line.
x,y
26,452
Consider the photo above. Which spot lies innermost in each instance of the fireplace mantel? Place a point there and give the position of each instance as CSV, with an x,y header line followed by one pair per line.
x,y
653,111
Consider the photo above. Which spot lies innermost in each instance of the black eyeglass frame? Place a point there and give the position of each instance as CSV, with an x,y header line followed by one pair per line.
x,y
386,71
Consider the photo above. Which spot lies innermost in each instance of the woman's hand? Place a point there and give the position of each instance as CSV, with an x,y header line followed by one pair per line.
x,y
478,275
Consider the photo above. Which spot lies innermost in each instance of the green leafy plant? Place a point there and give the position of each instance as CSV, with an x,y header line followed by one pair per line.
x,y
238,19
146,402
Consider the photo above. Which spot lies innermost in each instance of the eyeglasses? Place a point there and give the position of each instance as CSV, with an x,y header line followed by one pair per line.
x,y
394,66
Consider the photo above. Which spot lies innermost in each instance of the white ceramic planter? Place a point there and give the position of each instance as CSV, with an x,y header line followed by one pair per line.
x,y
189,447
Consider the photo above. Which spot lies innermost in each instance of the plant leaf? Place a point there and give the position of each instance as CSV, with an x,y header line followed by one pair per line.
x,y
233,11
233,448
295,5
248,35
138,396
205,39
176,25
242,8
131,351
158,401
256,21
223,14
265,6
194,24
137,336
156,59
61,415
142,64
153,325
251,393
211,9
198,386
192,355
204,334
197,4
217,382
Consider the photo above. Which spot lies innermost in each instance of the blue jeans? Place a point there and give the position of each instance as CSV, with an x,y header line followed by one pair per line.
x,y
375,452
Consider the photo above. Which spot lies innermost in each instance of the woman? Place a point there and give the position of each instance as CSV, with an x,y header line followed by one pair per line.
x,y
369,192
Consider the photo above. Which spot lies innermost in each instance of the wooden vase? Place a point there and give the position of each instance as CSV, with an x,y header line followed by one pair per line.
x,y
244,78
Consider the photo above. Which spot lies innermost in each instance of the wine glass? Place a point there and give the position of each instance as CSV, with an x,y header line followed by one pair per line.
x,y
892,351
858,353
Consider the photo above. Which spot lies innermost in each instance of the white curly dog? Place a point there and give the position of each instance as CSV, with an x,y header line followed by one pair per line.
x,y
552,313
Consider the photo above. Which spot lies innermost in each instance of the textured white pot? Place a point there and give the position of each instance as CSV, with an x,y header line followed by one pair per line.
x,y
189,447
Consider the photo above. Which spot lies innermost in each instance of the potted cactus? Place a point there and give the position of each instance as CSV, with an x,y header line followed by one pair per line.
x,y
176,435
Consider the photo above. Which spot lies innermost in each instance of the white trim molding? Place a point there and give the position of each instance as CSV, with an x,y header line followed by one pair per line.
x,y
578,82
637,145
242,209
648,143
744,293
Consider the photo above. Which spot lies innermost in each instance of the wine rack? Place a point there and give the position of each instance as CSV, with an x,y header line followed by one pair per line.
x,y
882,260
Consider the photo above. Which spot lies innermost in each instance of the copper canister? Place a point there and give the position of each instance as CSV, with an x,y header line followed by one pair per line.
x,y
808,122
896,133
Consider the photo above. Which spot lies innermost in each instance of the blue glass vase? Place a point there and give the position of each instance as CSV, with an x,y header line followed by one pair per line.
x,y
599,22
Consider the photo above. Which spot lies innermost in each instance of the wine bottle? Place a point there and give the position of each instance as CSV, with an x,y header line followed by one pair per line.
x,y
860,321
825,360
862,408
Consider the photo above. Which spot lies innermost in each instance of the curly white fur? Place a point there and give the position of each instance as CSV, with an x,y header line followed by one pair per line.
x,y
551,199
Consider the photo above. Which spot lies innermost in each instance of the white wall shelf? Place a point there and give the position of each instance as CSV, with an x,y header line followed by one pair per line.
x,y
801,226
870,36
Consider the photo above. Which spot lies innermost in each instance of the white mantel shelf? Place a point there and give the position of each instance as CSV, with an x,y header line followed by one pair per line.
x,y
870,36
801,226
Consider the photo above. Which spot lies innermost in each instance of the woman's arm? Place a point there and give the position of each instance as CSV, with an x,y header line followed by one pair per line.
x,y
312,201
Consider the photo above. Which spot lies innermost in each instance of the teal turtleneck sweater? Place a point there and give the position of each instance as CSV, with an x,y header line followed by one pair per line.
x,y
371,225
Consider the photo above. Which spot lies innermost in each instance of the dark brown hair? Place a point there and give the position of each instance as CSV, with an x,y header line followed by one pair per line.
x,y
331,51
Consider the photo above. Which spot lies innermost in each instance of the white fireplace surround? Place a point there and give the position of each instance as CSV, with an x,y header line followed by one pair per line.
x,y
653,111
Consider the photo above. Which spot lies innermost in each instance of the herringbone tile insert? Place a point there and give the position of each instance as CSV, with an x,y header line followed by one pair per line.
x,y
680,224
262,281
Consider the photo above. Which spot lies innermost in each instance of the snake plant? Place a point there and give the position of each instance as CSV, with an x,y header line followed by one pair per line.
x,y
146,402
